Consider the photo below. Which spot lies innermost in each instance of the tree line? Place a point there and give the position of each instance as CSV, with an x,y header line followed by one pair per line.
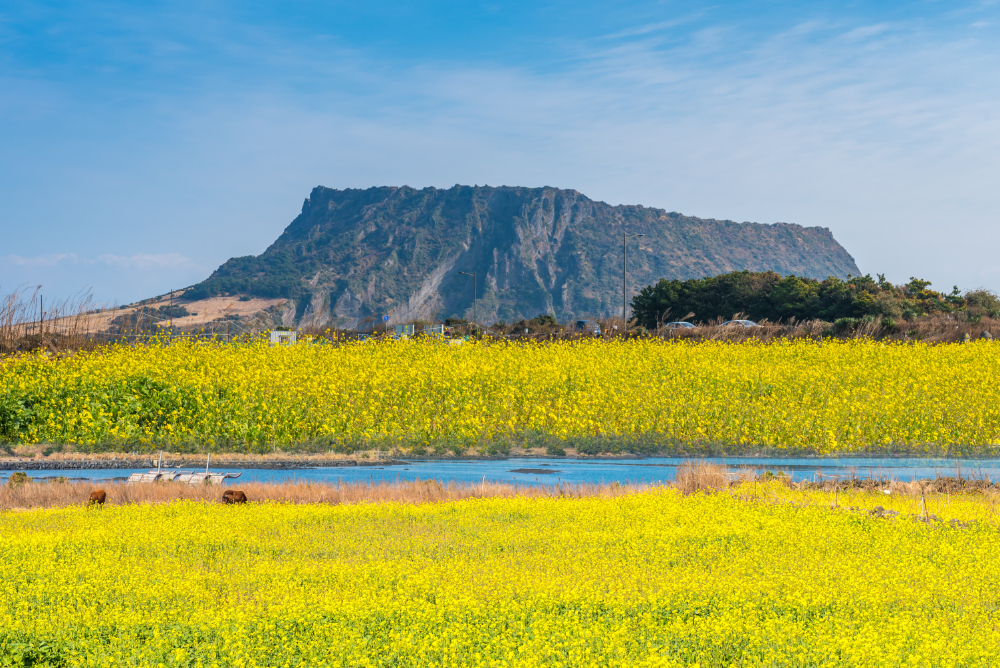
x,y
770,296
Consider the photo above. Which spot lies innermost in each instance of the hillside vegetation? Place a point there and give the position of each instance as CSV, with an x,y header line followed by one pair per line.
x,y
773,297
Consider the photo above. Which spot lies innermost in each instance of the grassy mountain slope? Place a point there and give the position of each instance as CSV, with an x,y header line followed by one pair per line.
x,y
353,255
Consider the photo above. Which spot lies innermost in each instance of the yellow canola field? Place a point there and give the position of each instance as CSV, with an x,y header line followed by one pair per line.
x,y
656,579
833,396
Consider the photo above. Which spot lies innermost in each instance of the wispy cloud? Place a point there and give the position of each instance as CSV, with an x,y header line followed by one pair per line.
x,y
49,260
137,261
656,26
864,32
149,260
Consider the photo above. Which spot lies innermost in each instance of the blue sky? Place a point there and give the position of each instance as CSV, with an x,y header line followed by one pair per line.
x,y
142,144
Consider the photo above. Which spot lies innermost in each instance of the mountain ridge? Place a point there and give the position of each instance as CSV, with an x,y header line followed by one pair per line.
x,y
354,255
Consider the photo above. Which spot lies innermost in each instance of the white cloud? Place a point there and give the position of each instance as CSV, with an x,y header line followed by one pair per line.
x,y
149,260
49,260
864,32
137,261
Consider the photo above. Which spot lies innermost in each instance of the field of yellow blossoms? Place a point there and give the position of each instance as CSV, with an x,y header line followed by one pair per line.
x,y
652,579
830,396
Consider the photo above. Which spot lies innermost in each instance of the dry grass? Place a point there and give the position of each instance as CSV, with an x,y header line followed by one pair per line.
x,y
28,321
703,476
60,494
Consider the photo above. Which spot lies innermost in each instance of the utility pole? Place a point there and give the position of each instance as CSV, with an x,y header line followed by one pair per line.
x,y
170,327
41,315
475,293
625,238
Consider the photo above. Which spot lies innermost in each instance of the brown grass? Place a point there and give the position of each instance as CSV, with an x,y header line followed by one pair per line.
x,y
29,322
702,476
61,494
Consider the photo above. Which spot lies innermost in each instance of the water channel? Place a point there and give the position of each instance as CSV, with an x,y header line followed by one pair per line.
x,y
554,471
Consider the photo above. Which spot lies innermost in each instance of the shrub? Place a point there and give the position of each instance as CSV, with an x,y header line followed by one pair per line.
x,y
983,302
544,319
846,324
18,478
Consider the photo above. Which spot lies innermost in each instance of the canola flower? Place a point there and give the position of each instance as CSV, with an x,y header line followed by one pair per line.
x,y
830,396
654,579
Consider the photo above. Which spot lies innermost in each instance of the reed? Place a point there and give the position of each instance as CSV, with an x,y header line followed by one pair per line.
x,y
59,494
704,476
29,322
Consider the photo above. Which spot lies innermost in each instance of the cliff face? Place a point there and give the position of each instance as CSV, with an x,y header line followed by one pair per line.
x,y
354,255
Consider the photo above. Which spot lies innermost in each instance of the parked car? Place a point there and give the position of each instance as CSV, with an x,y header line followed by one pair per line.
x,y
588,326
679,325
740,323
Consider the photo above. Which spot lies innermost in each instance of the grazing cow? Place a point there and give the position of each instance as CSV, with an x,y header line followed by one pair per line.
x,y
97,497
234,496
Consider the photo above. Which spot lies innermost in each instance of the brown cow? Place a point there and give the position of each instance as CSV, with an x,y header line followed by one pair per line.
x,y
97,497
234,496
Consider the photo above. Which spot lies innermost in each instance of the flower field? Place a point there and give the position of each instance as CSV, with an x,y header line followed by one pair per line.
x,y
653,579
833,396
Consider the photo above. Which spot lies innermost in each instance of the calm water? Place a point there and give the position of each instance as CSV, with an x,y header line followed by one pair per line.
x,y
583,470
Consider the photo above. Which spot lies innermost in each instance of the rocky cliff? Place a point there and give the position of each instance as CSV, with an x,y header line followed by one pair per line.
x,y
354,255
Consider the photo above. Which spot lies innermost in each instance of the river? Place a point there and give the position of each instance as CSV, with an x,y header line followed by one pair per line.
x,y
554,471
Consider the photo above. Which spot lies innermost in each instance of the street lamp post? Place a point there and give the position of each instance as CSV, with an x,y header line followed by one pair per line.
x,y
625,238
475,291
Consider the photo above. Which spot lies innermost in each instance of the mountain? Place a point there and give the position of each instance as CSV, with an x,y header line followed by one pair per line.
x,y
354,255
